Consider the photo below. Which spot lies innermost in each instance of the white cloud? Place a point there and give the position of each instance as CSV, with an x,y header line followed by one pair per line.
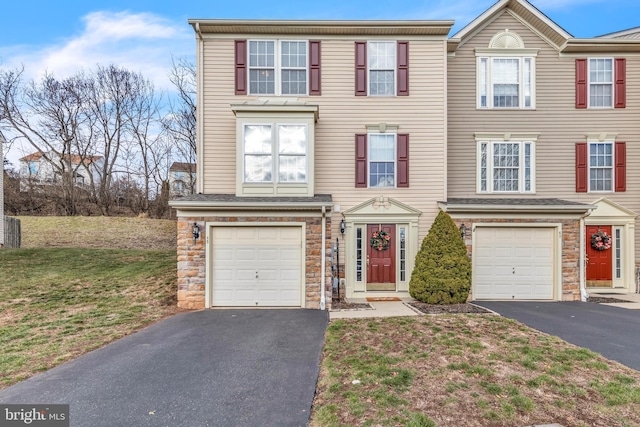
x,y
139,42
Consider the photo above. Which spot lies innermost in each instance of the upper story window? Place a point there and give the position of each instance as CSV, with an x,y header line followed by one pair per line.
x,y
506,73
601,165
601,83
382,158
277,67
506,165
275,153
275,148
382,68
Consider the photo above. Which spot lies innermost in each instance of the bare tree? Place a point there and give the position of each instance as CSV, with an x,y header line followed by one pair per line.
x,y
180,123
49,115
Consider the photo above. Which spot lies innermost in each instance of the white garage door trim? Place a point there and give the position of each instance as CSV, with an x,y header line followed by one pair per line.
x,y
211,228
555,291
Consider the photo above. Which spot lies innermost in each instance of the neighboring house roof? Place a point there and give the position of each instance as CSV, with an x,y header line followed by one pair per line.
x,y
183,167
75,158
547,205
630,33
547,29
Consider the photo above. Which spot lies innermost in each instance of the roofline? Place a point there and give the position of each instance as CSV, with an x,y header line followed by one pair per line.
x,y
187,205
600,45
501,4
353,27
620,33
475,208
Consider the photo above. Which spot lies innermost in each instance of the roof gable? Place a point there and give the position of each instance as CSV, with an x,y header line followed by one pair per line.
x,y
522,10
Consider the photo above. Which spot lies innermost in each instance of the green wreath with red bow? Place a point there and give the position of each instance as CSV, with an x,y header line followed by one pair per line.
x,y
380,240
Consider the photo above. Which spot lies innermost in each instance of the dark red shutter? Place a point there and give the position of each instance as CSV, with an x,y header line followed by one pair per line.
x,y
403,159
314,68
403,69
621,166
361,68
581,83
620,72
582,169
241,67
361,160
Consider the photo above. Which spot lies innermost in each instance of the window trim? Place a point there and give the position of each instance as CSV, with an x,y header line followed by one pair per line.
x,y
521,169
394,92
613,83
395,158
612,143
278,67
521,55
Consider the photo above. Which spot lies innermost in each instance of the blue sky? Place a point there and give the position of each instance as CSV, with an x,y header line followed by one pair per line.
x,y
63,36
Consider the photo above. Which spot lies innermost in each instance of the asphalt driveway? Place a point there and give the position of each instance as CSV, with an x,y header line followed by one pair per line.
x,y
611,331
205,368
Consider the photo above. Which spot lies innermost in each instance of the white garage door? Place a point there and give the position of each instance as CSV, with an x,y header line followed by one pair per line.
x,y
513,263
256,266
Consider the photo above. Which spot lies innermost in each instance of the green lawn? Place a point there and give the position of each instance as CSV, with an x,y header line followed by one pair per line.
x,y
56,304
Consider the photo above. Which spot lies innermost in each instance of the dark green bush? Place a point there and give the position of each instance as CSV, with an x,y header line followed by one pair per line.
x,y
442,271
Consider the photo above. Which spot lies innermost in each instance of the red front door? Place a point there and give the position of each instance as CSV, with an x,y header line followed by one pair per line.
x,y
381,261
600,263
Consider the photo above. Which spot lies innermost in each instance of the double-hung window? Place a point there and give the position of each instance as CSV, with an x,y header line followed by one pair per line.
x,y
600,82
277,67
506,82
601,171
506,167
382,160
382,67
275,153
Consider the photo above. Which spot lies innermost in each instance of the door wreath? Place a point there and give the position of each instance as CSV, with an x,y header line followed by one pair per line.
x,y
600,241
380,240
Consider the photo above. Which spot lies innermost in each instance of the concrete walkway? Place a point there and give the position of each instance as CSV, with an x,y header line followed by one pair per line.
x,y
380,309
633,305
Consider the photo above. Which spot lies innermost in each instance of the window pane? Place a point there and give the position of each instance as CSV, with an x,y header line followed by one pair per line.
x,y
294,82
528,79
506,78
382,147
527,167
294,54
483,82
257,139
382,66
257,168
359,254
601,82
262,81
382,174
506,163
292,139
618,243
292,169
601,167
261,53
483,167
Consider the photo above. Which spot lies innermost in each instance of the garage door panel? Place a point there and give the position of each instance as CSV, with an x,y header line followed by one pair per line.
x,y
274,254
513,263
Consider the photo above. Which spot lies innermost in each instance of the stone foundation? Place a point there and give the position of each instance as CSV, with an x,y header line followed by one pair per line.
x,y
192,258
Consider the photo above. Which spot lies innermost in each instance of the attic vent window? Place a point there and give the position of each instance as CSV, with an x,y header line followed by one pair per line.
x,y
506,40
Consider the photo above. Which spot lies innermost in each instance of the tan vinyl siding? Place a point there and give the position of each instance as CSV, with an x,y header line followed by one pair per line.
x,y
559,124
422,115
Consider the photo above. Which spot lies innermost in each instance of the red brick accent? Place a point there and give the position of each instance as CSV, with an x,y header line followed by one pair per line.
x,y
192,258
570,249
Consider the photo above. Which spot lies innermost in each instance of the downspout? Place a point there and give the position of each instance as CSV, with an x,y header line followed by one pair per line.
x,y
323,261
199,111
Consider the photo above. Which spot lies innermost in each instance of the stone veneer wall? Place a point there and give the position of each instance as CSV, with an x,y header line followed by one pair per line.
x,y
570,249
192,258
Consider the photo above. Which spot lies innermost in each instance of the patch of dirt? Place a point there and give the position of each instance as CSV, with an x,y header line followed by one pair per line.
x,y
344,305
605,300
447,308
